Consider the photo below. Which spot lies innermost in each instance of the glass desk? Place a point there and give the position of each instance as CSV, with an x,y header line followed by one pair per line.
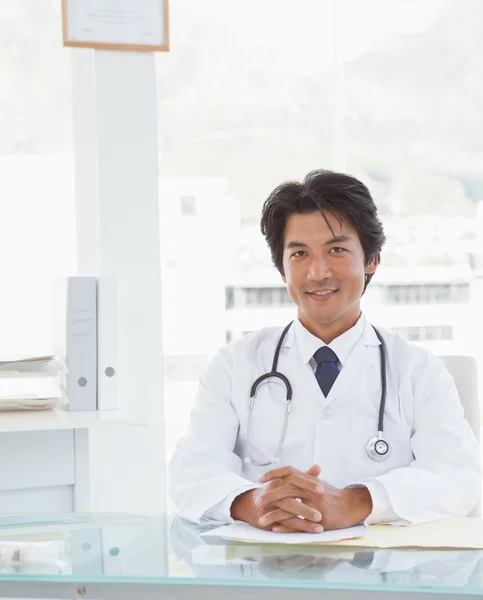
x,y
120,557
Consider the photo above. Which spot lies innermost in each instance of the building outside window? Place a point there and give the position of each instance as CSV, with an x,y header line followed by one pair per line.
x,y
425,333
426,294
188,206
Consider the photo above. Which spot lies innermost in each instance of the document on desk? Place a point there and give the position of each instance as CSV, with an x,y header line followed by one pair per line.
x,y
242,532
449,533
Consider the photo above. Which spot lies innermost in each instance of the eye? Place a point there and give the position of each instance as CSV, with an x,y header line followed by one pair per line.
x,y
337,250
298,254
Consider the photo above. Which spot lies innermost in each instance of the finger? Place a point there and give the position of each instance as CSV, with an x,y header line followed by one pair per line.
x,y
314,470
283,529
298,525
284,491
302,480
299,509
306,482
274,516
286,471
276,474
288,509
295,487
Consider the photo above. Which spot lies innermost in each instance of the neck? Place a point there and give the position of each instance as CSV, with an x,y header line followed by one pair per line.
x,y
328,332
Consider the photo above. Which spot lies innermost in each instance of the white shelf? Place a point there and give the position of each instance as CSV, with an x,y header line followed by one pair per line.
x,y
47,420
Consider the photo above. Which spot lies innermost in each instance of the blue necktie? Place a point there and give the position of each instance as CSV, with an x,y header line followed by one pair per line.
x,y
327,371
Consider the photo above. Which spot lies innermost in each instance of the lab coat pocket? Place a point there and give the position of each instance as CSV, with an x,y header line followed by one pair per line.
x,y
397,435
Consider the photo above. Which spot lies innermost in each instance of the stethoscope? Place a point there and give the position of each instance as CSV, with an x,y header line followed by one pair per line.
x,y
377,447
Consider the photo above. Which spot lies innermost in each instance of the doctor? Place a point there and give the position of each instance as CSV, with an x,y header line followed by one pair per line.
x,y
356,425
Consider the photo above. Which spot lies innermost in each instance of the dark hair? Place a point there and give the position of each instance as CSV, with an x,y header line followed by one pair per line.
x,y
337,193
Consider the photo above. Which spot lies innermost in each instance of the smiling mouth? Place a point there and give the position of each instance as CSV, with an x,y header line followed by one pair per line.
x,y
322,294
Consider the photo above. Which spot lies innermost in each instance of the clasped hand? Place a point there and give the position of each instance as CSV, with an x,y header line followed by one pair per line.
x,y
294,501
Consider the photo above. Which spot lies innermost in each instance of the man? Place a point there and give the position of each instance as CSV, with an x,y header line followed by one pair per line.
x,y
325,460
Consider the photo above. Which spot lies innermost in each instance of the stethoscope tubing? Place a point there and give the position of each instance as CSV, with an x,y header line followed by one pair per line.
x,y
371,447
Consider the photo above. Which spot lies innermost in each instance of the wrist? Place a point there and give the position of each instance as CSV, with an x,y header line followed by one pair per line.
x,y
359,504
241,505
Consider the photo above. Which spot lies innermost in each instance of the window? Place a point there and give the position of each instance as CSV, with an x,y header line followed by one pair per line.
x,y
383,90
257,297
188,206
427,333
184,367
284,298
426,294
229,298
37,210
264,296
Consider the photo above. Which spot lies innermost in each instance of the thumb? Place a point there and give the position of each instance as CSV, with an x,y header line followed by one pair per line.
x,y
314,471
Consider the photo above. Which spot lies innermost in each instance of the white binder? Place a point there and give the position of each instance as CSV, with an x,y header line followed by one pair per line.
x,y
86,551
108,343
74,322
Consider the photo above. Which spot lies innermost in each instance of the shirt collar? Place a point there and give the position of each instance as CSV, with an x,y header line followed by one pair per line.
x,y
343,345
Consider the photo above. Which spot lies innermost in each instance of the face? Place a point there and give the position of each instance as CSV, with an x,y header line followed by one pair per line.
x,y
325,272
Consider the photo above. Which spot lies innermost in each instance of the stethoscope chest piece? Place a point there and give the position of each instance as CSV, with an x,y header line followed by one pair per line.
x,y
377,448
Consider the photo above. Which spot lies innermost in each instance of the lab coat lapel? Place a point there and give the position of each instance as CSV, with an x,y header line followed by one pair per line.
x,y
355,366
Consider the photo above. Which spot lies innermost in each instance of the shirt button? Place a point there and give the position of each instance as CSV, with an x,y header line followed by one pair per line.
x,y
325,413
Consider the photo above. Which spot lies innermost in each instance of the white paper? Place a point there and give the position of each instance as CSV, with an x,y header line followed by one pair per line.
x,y
248,533
116,21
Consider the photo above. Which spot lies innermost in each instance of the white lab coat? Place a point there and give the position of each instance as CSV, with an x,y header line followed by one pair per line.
x,y
433,469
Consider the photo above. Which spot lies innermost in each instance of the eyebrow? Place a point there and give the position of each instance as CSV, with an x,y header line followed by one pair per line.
x,y
335,240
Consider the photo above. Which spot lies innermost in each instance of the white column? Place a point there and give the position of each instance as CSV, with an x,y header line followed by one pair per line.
x,y
116,164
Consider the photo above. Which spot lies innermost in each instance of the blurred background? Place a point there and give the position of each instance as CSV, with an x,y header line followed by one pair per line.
x,y
252,94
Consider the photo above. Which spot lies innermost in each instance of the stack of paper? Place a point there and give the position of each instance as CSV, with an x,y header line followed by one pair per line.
x,y
31,382
243,532
32,366
451,532
32,556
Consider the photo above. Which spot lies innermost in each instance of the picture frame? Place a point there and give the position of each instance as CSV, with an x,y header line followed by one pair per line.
x,y
130,25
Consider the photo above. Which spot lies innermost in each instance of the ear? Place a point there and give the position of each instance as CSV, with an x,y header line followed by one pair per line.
x,y
372,265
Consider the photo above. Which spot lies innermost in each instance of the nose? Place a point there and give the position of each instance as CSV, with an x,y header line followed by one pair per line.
x,y
319,269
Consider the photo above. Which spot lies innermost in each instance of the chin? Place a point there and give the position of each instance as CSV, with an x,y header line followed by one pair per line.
x,y
326,320
322,319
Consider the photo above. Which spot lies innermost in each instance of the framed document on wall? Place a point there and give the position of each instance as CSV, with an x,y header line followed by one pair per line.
x,y
116,24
